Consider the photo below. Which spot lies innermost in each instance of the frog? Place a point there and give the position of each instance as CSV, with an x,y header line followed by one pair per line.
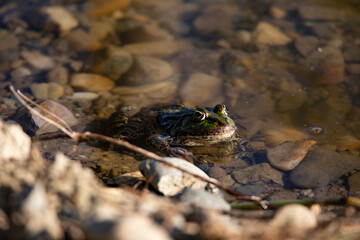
x,y
173,129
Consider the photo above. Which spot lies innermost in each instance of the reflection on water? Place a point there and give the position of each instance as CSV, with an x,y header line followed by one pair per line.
x,y
287,70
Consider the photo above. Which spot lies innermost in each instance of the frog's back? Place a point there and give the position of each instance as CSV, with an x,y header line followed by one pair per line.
x,y
139,126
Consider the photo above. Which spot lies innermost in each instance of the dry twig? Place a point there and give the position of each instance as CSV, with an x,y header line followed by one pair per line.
x,y
77,136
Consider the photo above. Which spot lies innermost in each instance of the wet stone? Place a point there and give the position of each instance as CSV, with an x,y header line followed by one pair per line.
x,y
353,68
202,89
8,41
75,40
324,30
90,82
321,167
258,173
277,12
58,75
116,62
354,184
288,155
58,19
171,181
145,33
327,66
311,12
38,60
158,48
352,53
265,33
216,19
203,199
306,44
147,70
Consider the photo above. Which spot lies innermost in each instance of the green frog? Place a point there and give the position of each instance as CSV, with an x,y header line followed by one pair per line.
x,y
169,129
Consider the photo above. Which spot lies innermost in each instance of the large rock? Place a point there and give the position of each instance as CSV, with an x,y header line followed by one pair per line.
x,y
306,44
91,82
116,62
58,18
262,172
147,70
202,89
8,40
265,33
158,48
216,19
288,155
82,41
321,167
327,66
38,60
171,181
311,12
145,33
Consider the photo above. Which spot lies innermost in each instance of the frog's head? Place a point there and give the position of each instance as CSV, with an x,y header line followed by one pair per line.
x,y
206,124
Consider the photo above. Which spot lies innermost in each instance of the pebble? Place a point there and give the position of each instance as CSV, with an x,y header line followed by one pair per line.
x,y
351,53
8,40
171,181
275,136
294,219
306,44
277,13
288,155
116,62
147,70
353,68
42,91
347,142
20,73
321,167
354,184
311,12
327,65
290,101
38,60
262,172
59,19
90,82
203,199
84,96
58,75
81,41
265,33
39,90
202,89
158,48
217,19
325,30
149,32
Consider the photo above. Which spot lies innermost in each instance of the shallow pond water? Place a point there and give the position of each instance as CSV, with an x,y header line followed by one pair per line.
x,y
287,71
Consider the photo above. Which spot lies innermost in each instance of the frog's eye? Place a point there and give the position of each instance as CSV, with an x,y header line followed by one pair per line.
x,y
199,115
221,108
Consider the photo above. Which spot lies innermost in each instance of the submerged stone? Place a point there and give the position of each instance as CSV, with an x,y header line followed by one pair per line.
x,y
321,167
